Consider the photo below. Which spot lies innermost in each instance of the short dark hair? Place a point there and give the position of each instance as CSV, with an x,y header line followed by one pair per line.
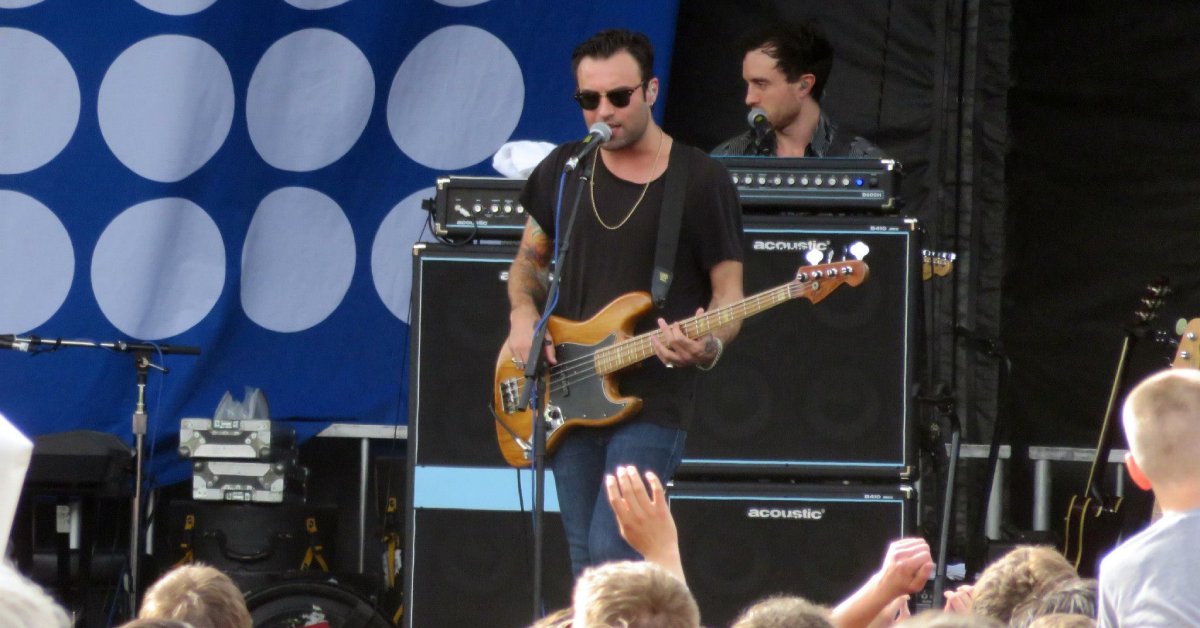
x,y
798,48
607,43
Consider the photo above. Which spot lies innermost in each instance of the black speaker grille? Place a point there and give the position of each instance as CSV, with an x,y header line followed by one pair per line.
x,y
742,542
460,319
819,388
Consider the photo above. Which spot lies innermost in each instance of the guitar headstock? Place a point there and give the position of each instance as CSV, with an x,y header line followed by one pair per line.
x,y
1188,354
936,263
819,280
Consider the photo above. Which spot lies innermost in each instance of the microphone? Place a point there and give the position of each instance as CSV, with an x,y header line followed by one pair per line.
x,y
757,119
597,135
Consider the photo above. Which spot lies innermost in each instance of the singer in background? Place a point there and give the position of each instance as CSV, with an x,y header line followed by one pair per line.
x,y
611,253
786,67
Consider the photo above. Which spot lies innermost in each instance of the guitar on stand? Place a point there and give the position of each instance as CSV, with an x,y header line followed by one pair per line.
x,y
1094,518
581,390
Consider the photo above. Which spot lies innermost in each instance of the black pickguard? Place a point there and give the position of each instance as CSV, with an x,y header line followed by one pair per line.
x,y
583,397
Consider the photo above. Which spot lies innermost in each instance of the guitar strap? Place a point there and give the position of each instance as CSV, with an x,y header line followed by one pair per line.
x,y
669,220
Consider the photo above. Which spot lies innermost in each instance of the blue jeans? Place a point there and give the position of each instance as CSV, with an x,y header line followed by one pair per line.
x,y
582,459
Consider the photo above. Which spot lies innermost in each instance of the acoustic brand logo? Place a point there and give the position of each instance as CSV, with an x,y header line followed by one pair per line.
x,y
790,245
810,514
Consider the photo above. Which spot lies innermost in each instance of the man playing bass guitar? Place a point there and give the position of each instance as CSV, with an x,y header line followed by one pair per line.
x,y
612,250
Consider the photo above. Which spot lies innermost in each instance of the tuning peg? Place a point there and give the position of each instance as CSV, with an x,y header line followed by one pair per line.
x,y
813,257
859,249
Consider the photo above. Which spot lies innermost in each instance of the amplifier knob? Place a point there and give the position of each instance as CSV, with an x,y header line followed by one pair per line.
x,y
762,179
818,181
791,180
804,181
478,208
777,180
845,181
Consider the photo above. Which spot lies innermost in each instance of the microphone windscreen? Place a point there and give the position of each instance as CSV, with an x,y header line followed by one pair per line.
x,y
602,131
757,117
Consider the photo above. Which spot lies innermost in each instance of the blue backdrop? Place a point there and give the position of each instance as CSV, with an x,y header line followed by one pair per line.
x,y
246,176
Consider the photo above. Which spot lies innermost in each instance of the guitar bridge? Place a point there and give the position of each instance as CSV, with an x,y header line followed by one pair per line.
x,y
510,394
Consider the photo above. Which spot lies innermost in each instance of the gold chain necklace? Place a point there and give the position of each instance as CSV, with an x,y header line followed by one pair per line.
x,y
592,187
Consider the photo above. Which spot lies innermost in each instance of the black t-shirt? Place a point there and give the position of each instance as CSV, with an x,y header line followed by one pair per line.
x,y
603,264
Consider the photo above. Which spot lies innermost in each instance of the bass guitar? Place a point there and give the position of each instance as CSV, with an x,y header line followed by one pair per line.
x,y
1094,518
581,390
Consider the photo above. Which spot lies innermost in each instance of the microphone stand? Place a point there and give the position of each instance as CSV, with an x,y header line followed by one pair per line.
x,y
944,404
535,365
141,353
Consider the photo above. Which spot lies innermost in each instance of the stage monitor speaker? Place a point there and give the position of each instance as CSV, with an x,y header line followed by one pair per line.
x,y
459,321
817,389
741,542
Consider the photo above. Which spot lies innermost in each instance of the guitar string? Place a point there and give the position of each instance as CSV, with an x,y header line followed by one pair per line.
x,y
583,368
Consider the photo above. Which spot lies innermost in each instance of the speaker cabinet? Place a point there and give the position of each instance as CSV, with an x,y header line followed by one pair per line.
x,y
743,541
459,320
469,530
817,389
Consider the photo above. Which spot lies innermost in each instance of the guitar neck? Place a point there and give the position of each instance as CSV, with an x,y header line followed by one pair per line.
x,y
638,348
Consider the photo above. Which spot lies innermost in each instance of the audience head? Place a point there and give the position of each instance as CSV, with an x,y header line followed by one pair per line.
x,y
633,594
1025,572
560,618
156,623
23,603
1162,424
199,595
1063,620
935,618
1076,596
784,611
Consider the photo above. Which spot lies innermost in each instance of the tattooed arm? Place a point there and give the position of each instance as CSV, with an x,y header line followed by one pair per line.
x,y
528,281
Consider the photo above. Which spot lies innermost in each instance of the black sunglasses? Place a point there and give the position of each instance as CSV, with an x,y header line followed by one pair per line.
x,y
619,98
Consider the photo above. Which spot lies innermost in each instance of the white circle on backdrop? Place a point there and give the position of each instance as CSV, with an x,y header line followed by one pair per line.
x,y
17,4
39,101
391,254
298,260
176,7
38,262
309,100
456,98
158,268
166,106
315,5
460,3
